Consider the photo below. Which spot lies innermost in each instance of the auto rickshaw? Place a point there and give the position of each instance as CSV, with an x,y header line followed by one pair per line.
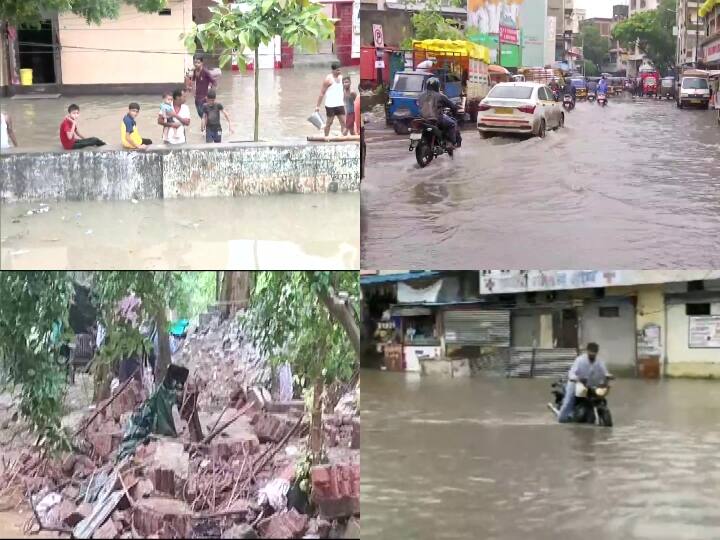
x,y
581,89
667,88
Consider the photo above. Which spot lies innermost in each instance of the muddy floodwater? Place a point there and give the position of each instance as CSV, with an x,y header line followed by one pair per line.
x,y
272,231
483,458
634,185
287,98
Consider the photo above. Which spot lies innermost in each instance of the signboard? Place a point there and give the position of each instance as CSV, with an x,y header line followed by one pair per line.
x,y
379,64
712,51
649,343
508,35
491,16
378,35
704,332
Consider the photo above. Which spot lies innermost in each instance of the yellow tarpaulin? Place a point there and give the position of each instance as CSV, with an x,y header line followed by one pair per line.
x,y
465,48
707,6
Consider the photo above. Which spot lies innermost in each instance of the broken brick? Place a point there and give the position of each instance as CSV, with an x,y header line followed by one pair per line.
x,y
105,443
156,513
290,524
64,511
227,447
336,489
270,428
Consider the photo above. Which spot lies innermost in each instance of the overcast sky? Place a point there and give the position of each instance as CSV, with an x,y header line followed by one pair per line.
x,y
598,8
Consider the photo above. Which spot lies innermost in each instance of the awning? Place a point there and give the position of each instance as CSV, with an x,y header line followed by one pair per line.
x,y
498,69
394,278
457,46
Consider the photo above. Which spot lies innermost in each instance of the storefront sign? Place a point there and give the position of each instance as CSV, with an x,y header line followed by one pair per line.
x,y
712,51
704,332
512,281
508,35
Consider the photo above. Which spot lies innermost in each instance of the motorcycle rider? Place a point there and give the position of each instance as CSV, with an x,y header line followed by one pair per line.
x,y
602,87
587,369
431,102
569,89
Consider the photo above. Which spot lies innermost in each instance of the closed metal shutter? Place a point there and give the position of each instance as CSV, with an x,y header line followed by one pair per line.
x,y
477,328
529,362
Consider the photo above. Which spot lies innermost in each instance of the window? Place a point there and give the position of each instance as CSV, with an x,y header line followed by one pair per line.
x,y
599,292
609,311
695,83
697,309
165,11
511,92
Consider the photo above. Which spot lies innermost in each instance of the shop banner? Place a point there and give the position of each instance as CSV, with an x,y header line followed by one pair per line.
x,y
704,332
712,52
410,295
508,35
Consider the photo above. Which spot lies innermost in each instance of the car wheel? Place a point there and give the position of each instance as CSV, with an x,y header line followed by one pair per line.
x,y
541,129
561,124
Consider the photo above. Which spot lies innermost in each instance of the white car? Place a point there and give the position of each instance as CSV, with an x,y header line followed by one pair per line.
x,y
519,107
694,91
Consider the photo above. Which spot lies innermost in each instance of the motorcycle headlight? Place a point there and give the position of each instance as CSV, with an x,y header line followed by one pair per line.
x,y
602,391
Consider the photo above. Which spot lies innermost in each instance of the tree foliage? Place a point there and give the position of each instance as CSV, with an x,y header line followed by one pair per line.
x,y
652,31
35,305
591,70
32,12
430,23
595,47
247,25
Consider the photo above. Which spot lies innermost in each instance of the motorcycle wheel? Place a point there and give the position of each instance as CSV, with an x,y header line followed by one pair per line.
x,y
423,154
605,417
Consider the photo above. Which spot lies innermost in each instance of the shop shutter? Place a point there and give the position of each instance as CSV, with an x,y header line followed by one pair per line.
x,y
529,362
477,328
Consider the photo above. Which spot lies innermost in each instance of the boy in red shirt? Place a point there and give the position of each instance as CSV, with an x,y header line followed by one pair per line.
x,y
70,137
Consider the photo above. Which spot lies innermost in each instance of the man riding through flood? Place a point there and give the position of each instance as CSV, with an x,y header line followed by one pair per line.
x,y
587,369
432,102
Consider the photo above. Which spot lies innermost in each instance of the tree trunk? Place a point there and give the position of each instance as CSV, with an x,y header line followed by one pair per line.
x,y
343,312
316,434
235,292
257,96
162,355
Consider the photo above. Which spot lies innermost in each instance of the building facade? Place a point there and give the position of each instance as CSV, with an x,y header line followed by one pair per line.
x,y
642,5
690,32
709,10
534,323
616,62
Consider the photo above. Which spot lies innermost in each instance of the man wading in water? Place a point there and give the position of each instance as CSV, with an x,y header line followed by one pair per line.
x,y
334,94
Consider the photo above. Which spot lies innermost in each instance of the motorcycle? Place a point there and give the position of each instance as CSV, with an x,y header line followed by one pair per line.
x,y
568,102
590,403
428,141
591,98
602,100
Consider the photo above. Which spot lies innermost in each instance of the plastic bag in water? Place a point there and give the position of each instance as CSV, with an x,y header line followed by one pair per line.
x,y
316,120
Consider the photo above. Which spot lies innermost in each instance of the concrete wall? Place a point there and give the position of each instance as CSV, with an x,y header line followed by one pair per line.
x,y
615,335
190,171
83,63
682,361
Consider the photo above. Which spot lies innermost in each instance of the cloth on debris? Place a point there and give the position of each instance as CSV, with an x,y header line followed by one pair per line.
x,y
275,494
285,380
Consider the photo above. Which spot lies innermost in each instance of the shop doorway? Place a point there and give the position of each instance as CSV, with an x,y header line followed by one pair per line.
x,y
36,51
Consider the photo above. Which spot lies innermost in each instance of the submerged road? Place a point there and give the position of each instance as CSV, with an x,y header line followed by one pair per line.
x,y
634,185
483,458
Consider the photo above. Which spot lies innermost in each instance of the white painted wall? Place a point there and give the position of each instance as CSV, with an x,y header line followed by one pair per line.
x,y
677,338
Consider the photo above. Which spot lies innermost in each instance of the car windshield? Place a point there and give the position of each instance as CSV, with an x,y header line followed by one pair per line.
x,y
695,83
511,92
408,83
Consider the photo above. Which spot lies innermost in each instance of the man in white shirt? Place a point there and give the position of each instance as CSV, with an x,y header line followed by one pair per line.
x,y
587,369
176,135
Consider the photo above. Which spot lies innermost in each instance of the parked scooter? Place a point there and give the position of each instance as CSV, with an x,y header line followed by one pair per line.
x,y
568,102
590,403
602,100
428,141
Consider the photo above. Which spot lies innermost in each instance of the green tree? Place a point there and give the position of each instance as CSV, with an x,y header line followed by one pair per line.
x,y
33,313
595,47
430,23
652,31
311,320
591,70
32,12
235,27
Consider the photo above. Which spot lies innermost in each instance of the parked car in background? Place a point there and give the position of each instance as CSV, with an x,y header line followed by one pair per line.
x,y
694,90
522,107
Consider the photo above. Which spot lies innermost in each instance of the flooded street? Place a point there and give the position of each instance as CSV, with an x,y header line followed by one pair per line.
x,y
634,185
483,458
287,98
272,231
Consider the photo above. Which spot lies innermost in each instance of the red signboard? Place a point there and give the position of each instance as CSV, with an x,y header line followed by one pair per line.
x,y
508,35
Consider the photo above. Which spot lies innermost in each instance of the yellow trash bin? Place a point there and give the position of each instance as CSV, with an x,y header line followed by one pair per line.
x,y
26,77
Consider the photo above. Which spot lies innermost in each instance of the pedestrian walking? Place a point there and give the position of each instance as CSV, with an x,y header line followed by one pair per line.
x,y
332,92
70,136
129,134
204,81
178,135
349,97
211,119
7,132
